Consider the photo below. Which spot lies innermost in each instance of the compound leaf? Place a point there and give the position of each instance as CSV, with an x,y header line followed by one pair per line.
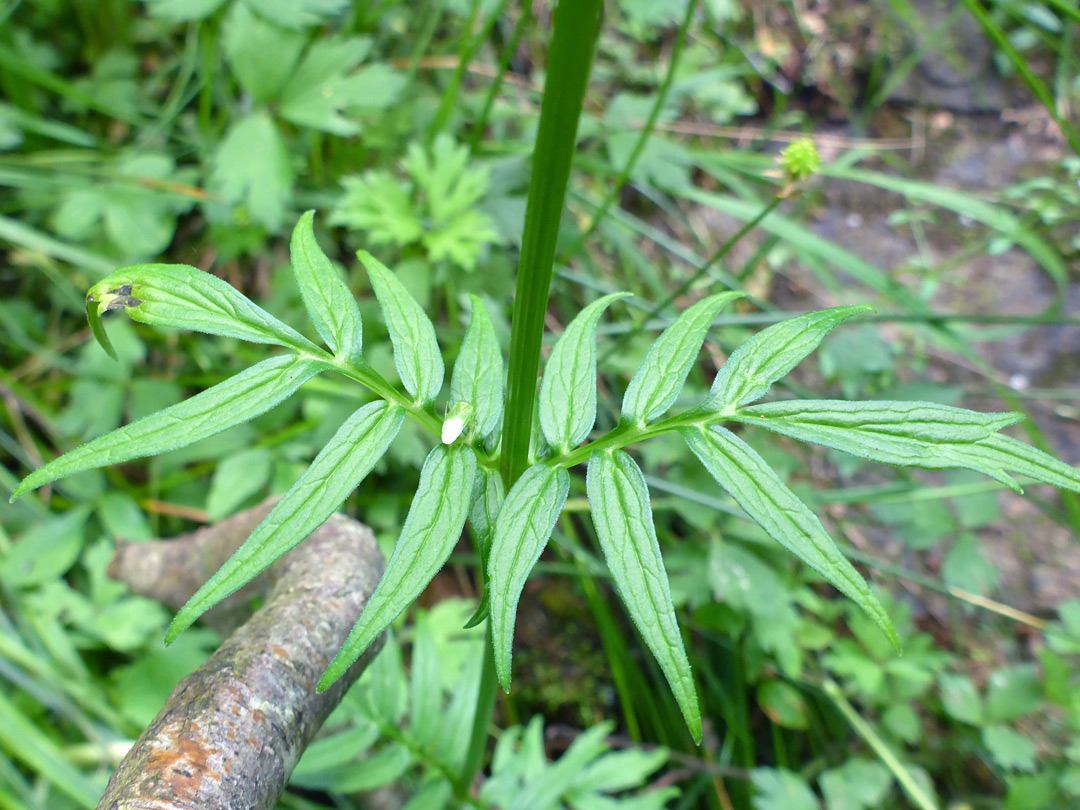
x,y
656,385
229,403
432,529
619,500
331,306
416,351
770,354
757,488
262,55
911,434
478,372
182,297
523,527
326,88
252,169
336,471
568,390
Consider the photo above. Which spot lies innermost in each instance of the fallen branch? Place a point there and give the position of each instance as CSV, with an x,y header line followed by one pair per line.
x,y
231,732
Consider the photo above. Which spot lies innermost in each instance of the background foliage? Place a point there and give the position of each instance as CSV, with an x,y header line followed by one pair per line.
x,y
197,132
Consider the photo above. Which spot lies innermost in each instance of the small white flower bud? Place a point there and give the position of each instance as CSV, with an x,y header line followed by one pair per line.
x,y
451,429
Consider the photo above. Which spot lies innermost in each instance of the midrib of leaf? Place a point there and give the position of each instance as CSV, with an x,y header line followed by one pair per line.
x,y
620,496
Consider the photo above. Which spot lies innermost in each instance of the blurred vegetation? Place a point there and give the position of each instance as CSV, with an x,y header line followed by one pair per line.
x,y
196,131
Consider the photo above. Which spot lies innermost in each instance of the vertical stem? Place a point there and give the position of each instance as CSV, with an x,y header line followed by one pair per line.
x,y
576,25
919,797
480,124
485,706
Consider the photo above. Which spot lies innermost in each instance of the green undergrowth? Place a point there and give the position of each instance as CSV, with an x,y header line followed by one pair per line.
x,y
674,653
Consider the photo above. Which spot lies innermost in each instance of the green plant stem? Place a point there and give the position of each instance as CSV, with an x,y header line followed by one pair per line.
x,y
469,46
576,26
720,253
913,789
485,706
1034,83
646,131
504,64
625,434
371,380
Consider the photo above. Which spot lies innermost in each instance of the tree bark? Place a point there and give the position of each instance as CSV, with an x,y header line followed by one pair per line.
x,y
231,732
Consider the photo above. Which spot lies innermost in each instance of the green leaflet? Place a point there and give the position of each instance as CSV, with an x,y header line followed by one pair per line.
x,y
656,385
237,399
179,296
327,299
769,355
416,351
913,434
489,493
478,372
568,390
765,498
523,527
621,510
1015,456
336,471
432,529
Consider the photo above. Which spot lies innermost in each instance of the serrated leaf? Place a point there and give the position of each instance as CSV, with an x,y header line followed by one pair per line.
x,y
1010,749
524,525
327,298
568,390
757,488
179,296
261,55
769,355
622,513
416,351
778,789
229,403
323,86
335,472
478,373
432,529
656,385
858,784
252,168
961,699
915,434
